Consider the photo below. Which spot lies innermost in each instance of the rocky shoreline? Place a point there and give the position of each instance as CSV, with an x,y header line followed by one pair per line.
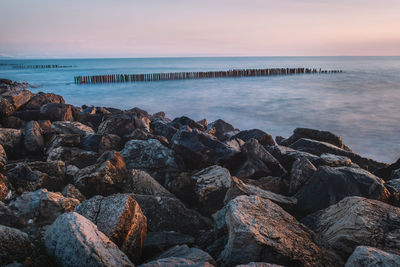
x,y
100,186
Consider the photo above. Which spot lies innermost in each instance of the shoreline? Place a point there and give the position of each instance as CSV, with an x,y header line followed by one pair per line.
x,y
147,188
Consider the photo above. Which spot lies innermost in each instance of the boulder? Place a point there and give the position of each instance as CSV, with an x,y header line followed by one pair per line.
x,y
185,121
196,255
175,262
157,242
3,159
262,137
62,140
198,150
41,207
210,186
75,241
109,142
163,128
41,99
364,256
91,142
302,171
13,122
71,191
329,185
73,156
259,264
269,183
220,128
4,188
170,214
71,127
14,245
120,218
395,174
259,230
318,148
105,177
151,156
33,139
29,115
335,160
323,136
123,124
386,172
6,108
254,162
356,221
18,97
11,140
394,183
92,116
239,188
58,112
141,183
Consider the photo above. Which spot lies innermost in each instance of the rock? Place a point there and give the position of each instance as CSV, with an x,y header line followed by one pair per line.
x,y
11,140
239,188
210,186
120,218
196,255
73,156
92,116
335,160
41,99
71,127
219,128
109,142
323,136
185,121
259,264
156,242
58,112
13,122
41,207
17,97
71,191
253,162
105,177
395,174
302,171
14,245
140,182
395,183
62,140
385,172
33,139
3,159
364,256
174,262
123,124
169,214
198,150
150,156
269,183
318,148
6,108
356,221
74,240
29,115
4,190
329,185
163,128
259,230
91,142
262,137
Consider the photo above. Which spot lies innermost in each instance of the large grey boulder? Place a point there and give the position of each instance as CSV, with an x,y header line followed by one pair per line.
x,y
183,251
71,127
221,129
120,218
57,112
259,230
73,156
364,256
123,124
11,140
14,245
33,139
210,186
141,183
41,99
394,183
329,185
76,241
356,221
262,137
301,172
103,178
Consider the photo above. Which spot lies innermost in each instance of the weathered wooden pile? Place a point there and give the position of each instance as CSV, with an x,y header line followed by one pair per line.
x,y
118,78
49,66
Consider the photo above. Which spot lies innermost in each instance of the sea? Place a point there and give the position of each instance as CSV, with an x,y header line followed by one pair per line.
x,y
361,104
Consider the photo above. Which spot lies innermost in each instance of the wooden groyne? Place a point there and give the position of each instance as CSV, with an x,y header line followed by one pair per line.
x,y
53,66
119,78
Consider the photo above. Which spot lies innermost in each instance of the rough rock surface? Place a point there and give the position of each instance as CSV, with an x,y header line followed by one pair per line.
x,y
220,128
120,218
175,262
364,256
41,99
141,183
183,251
74,240
262,137
3,158
259,230
71,127
356,221
302,170
57,112
10,139
395,183
259,264
329,185
33,139
73,156
210,186
14,245
72,192
103,178
123,124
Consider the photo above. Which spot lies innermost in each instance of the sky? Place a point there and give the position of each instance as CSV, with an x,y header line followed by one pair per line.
x,y
170,28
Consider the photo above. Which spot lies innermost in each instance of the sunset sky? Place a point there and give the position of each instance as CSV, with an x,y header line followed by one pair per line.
x,y
128,28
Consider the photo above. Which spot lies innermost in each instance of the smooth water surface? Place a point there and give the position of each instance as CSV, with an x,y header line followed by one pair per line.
x,y
362,104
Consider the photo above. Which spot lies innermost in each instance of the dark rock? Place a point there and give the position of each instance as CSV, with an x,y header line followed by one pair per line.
x,y
13,122
91,142
394,183
160,127
175,262
92,116
395,174
185,121
74,240
318,148
62,140
302,171
71,191
196,255
73,156
33,139
11,140
41,99
105,177
262,137
71,127
18,97
58,112
259,264
259,230
254,162
156,242
3,158
364,256
120,218
269,183
219,128
323,136
14,245
329,185
335,160
356,221
4,188
29,115
169,214
6,108
238,188
385,172
109,142
122,124
141,183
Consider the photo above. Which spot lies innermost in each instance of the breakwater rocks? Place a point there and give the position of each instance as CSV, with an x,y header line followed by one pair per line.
x,y
100,186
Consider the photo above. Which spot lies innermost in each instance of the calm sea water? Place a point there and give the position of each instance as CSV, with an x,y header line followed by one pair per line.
x,y
362,104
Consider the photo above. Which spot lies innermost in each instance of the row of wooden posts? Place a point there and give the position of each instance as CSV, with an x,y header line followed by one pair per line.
x,y
118,78
54,66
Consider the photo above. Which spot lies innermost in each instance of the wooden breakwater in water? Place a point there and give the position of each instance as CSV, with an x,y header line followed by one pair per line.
x,y
118,78
53,66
